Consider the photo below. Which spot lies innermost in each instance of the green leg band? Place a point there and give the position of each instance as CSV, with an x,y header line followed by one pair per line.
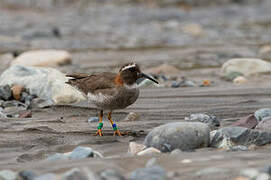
x,y
114,127
100,126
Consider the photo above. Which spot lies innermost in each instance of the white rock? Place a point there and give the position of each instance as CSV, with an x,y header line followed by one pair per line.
x,y
240,80
45,58
246,66
7,175
135,148
250,173
263,176
149,151
47,83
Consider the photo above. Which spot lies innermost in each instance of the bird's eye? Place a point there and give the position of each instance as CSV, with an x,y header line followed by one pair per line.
x,y
132,69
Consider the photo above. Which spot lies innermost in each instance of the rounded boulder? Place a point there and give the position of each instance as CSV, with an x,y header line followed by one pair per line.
x,y
178,135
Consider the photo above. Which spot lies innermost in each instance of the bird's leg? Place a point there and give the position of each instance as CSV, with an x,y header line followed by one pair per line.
x,y
100,126
114,126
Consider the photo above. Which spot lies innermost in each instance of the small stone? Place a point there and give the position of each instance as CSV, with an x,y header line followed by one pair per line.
x,y
175,84
149,173
57,156
185,161
211,120
135,148
81,152
93,119
132,116
111,174
25,114
211,170
27,175
90,174
186,83
149,151
151,162
248,122
178,135
44,58
7,175
5,92
46,177
262,113
266,169
263,176
206,83
16,91
240,80
176,152
250,173
74,174
239,148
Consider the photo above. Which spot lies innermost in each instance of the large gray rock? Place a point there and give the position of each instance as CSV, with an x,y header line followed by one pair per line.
x,y
81,152
181,135
47,83
240,136
264,125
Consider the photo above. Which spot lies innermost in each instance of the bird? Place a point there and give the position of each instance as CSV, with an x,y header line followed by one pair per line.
x,y
110,91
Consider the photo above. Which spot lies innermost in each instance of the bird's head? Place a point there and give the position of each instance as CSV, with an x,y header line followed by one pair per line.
x,y
131,72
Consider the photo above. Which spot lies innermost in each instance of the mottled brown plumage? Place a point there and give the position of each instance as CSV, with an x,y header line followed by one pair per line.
x,y
109,91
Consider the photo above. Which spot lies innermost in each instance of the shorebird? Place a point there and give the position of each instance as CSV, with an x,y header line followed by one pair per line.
x,y
109,91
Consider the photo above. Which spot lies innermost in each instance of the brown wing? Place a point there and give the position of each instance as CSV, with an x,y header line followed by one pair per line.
x,y
92,83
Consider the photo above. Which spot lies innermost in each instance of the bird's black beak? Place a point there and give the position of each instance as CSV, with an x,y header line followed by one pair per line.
x,y
142,75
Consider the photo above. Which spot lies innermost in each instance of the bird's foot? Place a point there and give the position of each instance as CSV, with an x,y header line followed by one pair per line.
x,y
99,131
116,130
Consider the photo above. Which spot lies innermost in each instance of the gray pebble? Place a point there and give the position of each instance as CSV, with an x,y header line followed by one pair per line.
x,y
266,169
149,173
74,174
111,174
27,175
250,173
93,119
262,113
81,152
46,176
5,92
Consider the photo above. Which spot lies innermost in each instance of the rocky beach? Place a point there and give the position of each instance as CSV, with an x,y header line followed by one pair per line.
x,y
209,117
